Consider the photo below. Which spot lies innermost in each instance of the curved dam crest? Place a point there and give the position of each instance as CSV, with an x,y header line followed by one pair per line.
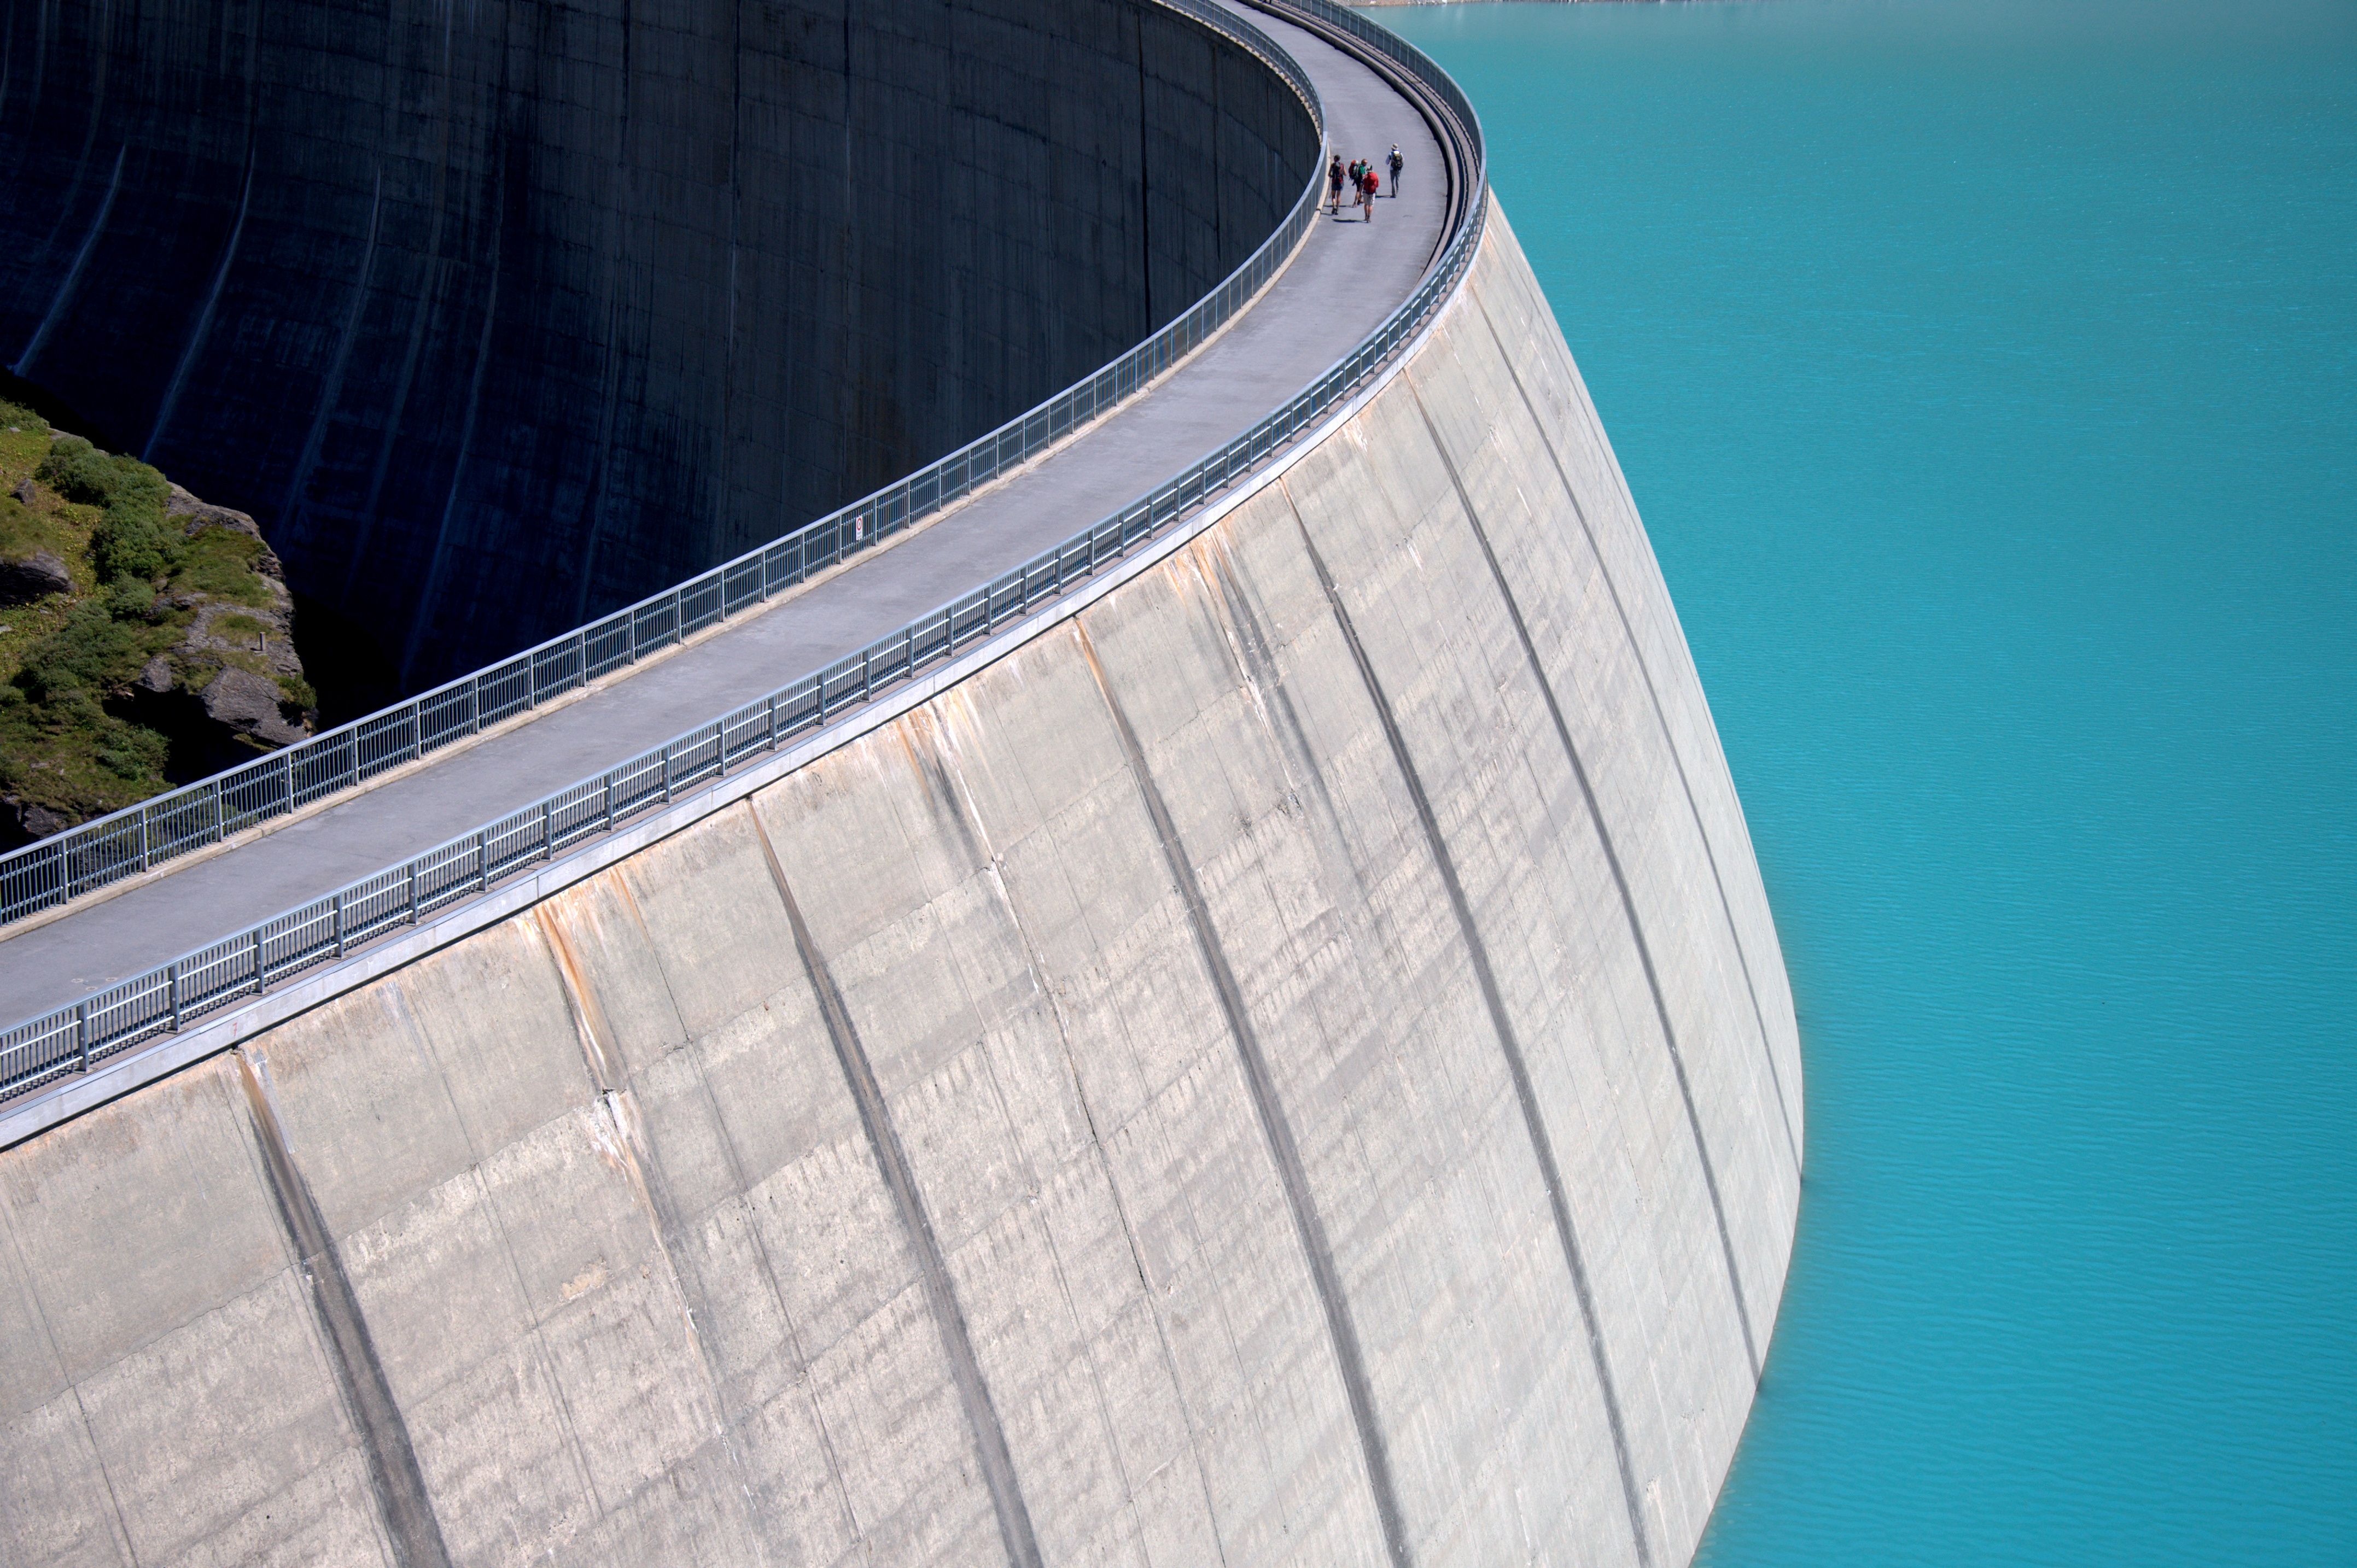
x,y
1290,1063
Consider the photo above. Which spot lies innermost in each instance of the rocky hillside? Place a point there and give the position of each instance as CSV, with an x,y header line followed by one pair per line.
x,y
146,638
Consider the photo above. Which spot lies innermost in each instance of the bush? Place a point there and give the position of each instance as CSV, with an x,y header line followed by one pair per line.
x,y
133,753
134,539
131,599
92,653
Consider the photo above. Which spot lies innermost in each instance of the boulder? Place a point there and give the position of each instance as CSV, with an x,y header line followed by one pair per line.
x,y
249,704
200,515
21,823
38,575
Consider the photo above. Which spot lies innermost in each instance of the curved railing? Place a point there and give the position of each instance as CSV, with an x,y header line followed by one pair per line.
x,y
163,999
134,839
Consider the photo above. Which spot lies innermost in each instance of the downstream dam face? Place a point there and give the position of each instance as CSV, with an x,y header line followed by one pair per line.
x,y
1284,1058
501,315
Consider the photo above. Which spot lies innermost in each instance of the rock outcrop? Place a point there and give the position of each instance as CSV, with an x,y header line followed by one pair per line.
x,y
24,580
146,636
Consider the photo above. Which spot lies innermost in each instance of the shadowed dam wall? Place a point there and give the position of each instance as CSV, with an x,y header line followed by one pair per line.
x,y
1290,1063
499,316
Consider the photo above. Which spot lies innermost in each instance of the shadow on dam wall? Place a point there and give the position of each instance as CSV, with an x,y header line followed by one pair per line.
x,y
499,317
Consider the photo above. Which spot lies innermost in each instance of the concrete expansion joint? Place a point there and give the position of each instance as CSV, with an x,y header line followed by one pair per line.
x,y
1276,1130
989,1434
397,1485
1660,718
1542,1142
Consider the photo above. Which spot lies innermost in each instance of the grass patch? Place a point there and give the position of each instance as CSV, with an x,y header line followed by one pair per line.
x,y
220,561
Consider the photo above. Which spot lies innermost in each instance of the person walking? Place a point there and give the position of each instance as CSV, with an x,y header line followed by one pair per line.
x,y
1369,183
1334,185
1397,163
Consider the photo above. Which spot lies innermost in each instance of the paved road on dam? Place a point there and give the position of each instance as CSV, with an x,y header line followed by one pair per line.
x,y
1347,278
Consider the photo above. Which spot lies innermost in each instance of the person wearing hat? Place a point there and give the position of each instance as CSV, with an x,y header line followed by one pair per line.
x,y
1397,163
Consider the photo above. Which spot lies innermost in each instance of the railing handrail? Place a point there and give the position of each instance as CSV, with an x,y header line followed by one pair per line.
x,y
133,840
70,1038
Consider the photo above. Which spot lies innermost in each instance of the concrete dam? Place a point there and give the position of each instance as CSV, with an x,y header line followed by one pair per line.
x,y
1273,1048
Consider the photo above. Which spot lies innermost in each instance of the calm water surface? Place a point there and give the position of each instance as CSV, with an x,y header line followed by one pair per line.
x,y
1986,371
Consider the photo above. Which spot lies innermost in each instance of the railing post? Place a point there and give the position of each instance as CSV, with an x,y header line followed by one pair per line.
x,y
610,803
482,862
412,870
867,688
547,831
172,993
81,1033
666,773
261,964
773,744
340,925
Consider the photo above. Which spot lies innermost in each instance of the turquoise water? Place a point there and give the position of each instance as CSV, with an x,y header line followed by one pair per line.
x,y
1986,372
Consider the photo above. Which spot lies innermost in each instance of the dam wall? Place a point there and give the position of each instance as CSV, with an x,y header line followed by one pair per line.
x,y
498,316
1286,1060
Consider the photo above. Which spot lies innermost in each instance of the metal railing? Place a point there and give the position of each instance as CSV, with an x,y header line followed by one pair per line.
x,y
138,838
72,1038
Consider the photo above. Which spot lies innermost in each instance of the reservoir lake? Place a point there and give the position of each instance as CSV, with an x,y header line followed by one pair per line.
x,y
1986,371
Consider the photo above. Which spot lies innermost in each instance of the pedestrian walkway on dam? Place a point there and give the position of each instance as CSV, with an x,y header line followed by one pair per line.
x,y
1347,276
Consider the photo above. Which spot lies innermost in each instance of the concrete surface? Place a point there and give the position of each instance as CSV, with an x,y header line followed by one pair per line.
x,y
499,317
1290,1063
1346,279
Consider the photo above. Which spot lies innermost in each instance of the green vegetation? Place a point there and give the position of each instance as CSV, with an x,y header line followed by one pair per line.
x,y
143,588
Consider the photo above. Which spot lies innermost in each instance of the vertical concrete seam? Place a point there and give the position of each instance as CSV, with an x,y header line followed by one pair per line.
x,y
726,1136
1509,1044
636,1153
932,1269
1253,654
440,557
1629,631
24,365
331,389
204,326
1620,880
941,774
1293,1177
395,1481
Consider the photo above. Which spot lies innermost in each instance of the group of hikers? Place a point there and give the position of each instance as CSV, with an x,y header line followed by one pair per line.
x,y
1365,182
